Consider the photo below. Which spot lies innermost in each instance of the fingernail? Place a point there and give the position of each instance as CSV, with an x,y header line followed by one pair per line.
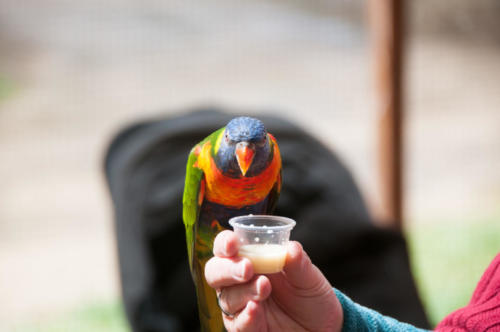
x,y
258,286
239,270
229,248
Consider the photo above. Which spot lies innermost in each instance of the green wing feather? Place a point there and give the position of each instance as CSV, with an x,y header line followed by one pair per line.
x,y
190,206
190,200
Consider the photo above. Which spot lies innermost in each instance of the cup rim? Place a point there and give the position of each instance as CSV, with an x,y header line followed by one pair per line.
x,y
290,223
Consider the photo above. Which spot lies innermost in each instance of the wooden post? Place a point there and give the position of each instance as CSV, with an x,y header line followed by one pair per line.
x,y
386,19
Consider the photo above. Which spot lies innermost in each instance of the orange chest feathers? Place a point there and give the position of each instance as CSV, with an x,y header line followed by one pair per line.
x,y
237,192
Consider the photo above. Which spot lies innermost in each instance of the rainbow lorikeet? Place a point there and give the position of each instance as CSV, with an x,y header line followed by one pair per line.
x,y
234,171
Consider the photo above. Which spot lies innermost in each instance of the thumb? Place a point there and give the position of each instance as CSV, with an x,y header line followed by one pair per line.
x,y
300,276
300,272
304,292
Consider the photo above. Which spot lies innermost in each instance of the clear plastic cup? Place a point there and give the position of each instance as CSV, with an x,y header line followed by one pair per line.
x,y
263,240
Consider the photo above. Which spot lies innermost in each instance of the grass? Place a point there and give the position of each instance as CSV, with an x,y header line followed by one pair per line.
x,y
448,260
6,87
100,316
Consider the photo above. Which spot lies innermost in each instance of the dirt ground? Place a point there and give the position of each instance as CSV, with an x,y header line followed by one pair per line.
x,y
79,71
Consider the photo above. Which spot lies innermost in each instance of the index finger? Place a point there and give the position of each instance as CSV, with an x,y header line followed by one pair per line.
x,y
226,244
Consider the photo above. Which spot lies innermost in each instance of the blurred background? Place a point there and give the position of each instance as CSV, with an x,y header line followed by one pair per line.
x,y
73,73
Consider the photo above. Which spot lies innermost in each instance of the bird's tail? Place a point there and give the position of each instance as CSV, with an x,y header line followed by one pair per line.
x,y
209,311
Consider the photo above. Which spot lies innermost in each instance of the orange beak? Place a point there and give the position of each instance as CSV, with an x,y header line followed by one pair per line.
x,y
244,156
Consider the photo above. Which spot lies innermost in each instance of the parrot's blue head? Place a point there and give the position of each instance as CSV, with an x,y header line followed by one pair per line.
x,y
244,148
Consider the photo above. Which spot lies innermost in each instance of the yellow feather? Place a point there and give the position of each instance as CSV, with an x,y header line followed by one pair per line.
x,y
217,143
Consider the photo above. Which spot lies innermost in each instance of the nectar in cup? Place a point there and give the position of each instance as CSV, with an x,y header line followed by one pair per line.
x,y
263,240
265,258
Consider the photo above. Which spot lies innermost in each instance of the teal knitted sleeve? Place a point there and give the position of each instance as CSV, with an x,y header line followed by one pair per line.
x,y
360,319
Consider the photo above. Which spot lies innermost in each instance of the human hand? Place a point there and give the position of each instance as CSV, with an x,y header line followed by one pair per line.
x,y
298,298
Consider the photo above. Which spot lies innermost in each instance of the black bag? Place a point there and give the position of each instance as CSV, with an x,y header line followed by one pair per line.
x,y
145,168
